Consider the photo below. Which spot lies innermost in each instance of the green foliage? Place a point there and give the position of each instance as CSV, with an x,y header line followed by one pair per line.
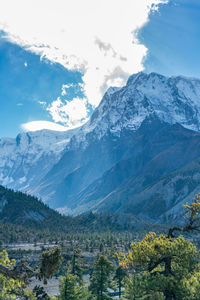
x,y
76,264
135,288
50,262
193,209
154,248
70,289
29,295
119,276
165,264
101,278
9,287
40,293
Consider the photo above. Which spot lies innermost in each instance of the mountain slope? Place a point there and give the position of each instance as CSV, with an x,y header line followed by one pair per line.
x,y
125,186
113,134
24,161
138,134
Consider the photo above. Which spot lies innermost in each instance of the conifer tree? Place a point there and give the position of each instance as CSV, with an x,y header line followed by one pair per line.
x,y
101,278
70,289
49,264
76,264
120,274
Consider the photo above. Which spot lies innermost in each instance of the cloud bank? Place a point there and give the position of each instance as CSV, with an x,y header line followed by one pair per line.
x,y
39,125
97,38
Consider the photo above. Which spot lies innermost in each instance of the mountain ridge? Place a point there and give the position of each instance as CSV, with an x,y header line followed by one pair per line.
x,y
124,127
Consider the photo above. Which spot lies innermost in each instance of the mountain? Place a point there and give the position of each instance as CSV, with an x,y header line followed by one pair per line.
x,y
137,184
24,161
119,161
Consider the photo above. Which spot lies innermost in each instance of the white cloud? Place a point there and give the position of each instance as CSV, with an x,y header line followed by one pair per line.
x,y
65,87
39,125
72,114
98,38
43,103
25,64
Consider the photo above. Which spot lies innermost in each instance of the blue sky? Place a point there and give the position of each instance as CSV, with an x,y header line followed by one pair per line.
x,y
172,37
41,80
24,88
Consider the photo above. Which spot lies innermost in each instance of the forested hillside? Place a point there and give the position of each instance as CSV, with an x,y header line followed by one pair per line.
x,y
156,267
25,218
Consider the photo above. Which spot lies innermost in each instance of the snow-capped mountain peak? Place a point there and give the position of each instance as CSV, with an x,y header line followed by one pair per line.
x,y
171,99
29,159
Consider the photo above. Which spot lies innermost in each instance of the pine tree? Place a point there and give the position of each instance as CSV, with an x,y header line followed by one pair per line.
x,y
70,289
101,278
49,264
120,274
9,286
76,264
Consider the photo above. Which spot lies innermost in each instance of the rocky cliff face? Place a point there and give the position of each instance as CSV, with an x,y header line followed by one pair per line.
x,y
119,159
